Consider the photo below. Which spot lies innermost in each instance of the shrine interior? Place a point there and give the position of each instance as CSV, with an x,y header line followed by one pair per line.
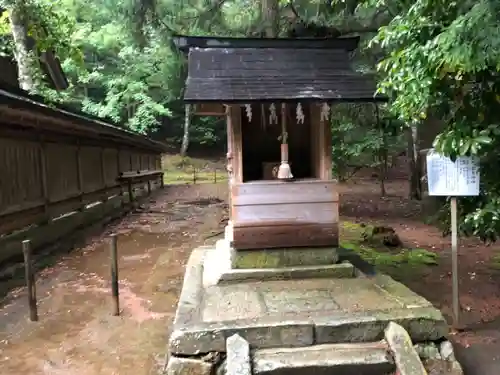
x,y
261,146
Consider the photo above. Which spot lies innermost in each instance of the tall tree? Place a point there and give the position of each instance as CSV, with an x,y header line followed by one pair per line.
x,y
442,58
18,17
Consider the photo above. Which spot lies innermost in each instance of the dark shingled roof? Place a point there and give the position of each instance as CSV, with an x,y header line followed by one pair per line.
x,y
266,74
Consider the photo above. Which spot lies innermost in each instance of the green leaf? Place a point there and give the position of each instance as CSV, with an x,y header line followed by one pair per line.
x,y
483,139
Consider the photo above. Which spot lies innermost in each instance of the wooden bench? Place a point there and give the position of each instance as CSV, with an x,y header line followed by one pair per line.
x,y
135,177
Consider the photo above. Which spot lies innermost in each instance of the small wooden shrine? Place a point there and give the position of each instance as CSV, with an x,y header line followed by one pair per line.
x,y
277,96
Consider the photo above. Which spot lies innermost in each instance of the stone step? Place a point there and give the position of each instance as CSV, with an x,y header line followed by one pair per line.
x,y
339,359
339,270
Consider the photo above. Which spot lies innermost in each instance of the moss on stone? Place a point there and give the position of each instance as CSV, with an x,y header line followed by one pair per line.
x,y
256,259
276,258
382,257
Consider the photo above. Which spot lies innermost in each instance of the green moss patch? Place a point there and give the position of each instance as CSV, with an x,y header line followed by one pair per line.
x,y
398,261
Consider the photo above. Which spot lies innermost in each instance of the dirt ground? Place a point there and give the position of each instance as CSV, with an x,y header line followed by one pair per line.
x,y
77,334
478,345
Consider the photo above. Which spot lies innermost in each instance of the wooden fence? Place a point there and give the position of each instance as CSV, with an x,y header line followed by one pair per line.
x,y
54,162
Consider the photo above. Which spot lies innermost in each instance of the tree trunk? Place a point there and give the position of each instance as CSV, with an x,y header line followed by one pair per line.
x,y
19,26
384,162
414,177
270,16
187,125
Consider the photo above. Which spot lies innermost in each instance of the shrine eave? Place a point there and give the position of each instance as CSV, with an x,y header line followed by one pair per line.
x,y
185,43
308,100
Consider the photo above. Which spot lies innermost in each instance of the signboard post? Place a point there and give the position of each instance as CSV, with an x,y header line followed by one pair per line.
x,y
453,179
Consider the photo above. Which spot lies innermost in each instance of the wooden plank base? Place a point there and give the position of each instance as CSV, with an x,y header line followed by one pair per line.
x,y
278,214
285,235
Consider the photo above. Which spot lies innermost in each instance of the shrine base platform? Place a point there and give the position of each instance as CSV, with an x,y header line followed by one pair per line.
x,y
270,310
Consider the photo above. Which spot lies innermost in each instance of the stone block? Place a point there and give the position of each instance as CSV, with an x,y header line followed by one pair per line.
x,y
446,350
276,258
441,367
428,350
190,300
406,357
359,359
188,366
238,356
399,291
212,337
217,261
342,270
233,302
423,324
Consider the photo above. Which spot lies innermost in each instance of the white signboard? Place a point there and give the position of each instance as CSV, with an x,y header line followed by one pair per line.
x,y
453,179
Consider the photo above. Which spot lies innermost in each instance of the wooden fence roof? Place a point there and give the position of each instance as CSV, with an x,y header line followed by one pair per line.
x,y
29,111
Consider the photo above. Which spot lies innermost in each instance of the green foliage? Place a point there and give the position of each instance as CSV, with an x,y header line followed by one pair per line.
x,y
435,59
443,61
362,138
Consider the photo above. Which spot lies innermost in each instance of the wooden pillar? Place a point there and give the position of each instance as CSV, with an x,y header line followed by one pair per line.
x,y
234,147
314,124
229,156
237,144
325,133
321,144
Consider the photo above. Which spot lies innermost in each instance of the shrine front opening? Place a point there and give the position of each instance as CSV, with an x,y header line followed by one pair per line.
x,y
261,132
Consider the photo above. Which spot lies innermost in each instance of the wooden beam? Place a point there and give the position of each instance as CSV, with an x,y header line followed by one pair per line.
x,y
209,109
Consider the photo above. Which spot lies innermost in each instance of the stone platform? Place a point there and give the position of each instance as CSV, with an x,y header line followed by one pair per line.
x,y
294,312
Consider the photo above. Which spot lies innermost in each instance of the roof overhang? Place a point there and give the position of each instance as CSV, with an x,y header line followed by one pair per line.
x,y
184,43
246,75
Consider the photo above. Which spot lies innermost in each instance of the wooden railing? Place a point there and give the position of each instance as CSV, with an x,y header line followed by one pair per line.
x,y
54,162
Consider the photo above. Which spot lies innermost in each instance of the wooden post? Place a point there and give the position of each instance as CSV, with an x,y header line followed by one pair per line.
x,y
194,175
114,275
43,173
130,192
79,176
30,280
454,262
118,173
215,175
103,168
149,187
